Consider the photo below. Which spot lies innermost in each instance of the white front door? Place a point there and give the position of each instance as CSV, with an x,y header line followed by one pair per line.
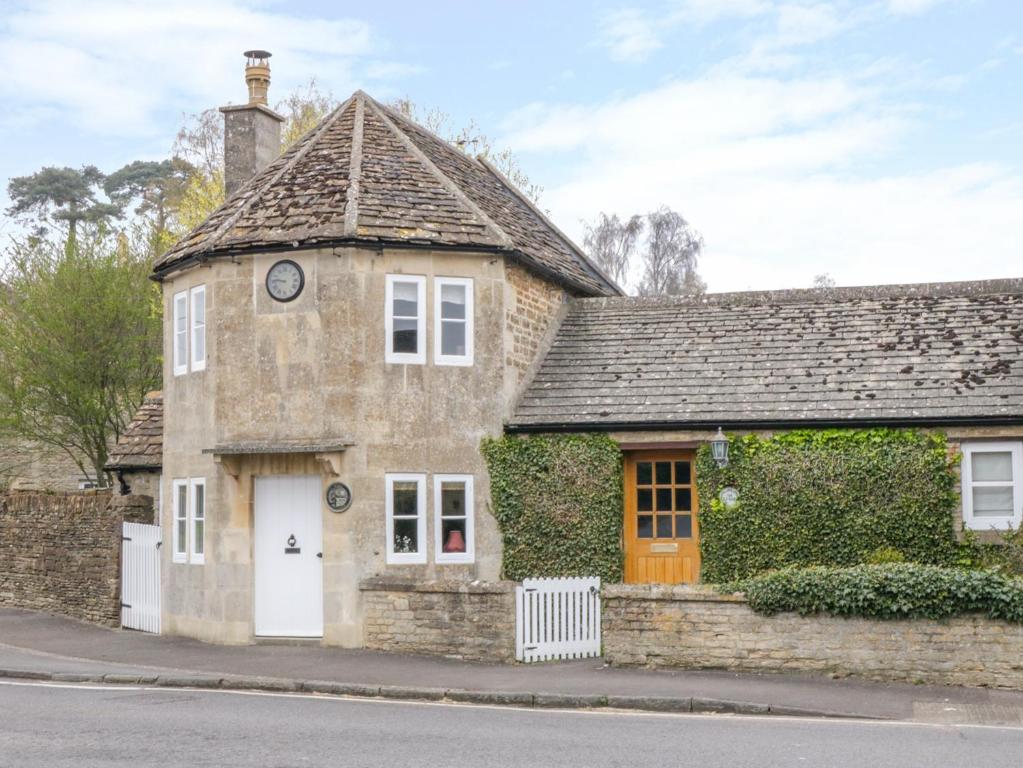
x,y
289,556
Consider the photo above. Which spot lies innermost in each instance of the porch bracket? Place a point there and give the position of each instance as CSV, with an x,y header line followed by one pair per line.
x,y
330,461
229,463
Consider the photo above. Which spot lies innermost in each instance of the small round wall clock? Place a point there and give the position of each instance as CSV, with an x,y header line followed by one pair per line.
x,y
339,497
285,280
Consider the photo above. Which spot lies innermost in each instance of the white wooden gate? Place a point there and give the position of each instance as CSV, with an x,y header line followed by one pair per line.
x,y
140,577
557,619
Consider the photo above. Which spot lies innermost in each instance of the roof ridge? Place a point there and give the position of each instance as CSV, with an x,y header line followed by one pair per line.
x,y
253,191
355,168
385,115
587,261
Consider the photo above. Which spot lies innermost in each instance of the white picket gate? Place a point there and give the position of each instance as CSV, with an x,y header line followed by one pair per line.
x,y
140,577
557,619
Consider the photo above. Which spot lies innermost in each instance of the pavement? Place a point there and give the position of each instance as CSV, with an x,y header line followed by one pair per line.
x,y
46,647
47,725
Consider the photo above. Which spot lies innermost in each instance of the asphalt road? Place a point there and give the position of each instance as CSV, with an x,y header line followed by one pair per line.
x,y
83,726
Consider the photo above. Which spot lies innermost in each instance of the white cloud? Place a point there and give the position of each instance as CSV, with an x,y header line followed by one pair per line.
x,y
911,7
629,34
773,173
111,66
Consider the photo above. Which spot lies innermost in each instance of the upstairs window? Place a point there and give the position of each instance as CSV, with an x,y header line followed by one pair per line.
x,y
180,333
453,321
405,319
198,336
992,485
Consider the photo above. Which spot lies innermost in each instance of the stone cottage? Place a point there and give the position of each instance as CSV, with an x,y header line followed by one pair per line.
x,y
364,309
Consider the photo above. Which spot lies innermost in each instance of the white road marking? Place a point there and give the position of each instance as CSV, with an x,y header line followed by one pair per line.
x,y
602,712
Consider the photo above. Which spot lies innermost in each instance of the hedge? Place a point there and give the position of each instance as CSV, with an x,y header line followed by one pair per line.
x,y
826,497
893,591
558,502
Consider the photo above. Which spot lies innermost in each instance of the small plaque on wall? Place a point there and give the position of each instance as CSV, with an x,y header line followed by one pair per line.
x,y
729,497
339,497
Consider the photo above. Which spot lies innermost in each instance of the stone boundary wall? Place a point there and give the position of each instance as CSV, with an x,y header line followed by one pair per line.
x,y
473,621
694,628
61,552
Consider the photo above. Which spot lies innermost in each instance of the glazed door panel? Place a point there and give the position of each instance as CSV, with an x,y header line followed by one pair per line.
x,y
662,544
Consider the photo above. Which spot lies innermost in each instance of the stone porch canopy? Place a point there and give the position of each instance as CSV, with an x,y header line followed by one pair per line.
x,y
368,176
939,354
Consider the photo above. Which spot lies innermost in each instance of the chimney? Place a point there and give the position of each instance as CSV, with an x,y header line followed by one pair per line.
x,y
252,132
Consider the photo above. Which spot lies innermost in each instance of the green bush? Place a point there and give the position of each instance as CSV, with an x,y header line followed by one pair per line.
x,y
883,555
558,501
894,591
1004,555
827,497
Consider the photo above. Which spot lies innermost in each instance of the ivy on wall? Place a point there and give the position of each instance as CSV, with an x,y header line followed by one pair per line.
x,y
558,502
826,497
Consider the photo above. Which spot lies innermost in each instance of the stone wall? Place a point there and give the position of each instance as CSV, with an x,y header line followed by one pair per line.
x,y
27,466
472,621
534,306
61,553
692,628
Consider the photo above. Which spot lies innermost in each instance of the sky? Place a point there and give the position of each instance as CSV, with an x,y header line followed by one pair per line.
x,y
877,141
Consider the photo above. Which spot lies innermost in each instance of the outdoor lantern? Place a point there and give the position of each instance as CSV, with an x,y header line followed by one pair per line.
x,y
719,449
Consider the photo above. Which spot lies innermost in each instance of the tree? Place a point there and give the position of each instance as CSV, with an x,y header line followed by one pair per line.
x,y
158,187
81,343
669,261
60,194
303,109
823,281
471,140
611,242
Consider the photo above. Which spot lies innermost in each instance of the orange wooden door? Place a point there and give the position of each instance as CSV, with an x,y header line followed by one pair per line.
x,y
662,532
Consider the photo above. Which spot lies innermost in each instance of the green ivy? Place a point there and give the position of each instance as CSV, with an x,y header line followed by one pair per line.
x,y
827,497
558,501
891,591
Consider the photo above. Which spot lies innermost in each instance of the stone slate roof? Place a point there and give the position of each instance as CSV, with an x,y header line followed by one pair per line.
x,y
368,175
940,353
141,445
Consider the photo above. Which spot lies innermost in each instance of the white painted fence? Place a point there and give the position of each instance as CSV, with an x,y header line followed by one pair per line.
x,y
140,577
557,619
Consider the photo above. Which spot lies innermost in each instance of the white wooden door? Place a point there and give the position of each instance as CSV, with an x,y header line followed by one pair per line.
x,y
289,556
140,576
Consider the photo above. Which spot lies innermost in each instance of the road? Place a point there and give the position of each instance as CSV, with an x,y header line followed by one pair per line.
x,y
83,726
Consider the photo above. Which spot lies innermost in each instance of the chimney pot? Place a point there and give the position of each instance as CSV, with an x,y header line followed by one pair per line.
x,y
257,75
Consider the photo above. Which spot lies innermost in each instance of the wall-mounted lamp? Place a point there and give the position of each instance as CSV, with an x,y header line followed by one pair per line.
x,y
719,449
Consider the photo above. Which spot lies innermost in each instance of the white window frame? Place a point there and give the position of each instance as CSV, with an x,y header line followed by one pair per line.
x,y
406,558
440,556
439,358
1015,449
180,544
408,358
179,309
197,558
196,294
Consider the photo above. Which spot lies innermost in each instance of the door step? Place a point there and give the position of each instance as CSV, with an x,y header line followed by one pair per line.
x,y
303,641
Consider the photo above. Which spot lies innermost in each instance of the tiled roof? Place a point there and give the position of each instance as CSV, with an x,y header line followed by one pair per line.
x,y
941,353
367,174
141,445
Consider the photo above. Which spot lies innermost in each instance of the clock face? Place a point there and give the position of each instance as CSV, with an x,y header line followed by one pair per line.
x,y
285,280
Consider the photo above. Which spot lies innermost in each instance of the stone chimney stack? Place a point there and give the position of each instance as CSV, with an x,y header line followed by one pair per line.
x,y
252,132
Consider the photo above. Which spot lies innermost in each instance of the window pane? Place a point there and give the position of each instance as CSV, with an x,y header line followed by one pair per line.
x,y
180,544
683,526
452,302
453,535
452,500
644,500
683,473
452,338
406,536
406,300
406,336
182,510
664,527
197,541
200,501
683,499
645,526
664,499
643,473
199,344
406,499
992,501
992,466
199,308
663,472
